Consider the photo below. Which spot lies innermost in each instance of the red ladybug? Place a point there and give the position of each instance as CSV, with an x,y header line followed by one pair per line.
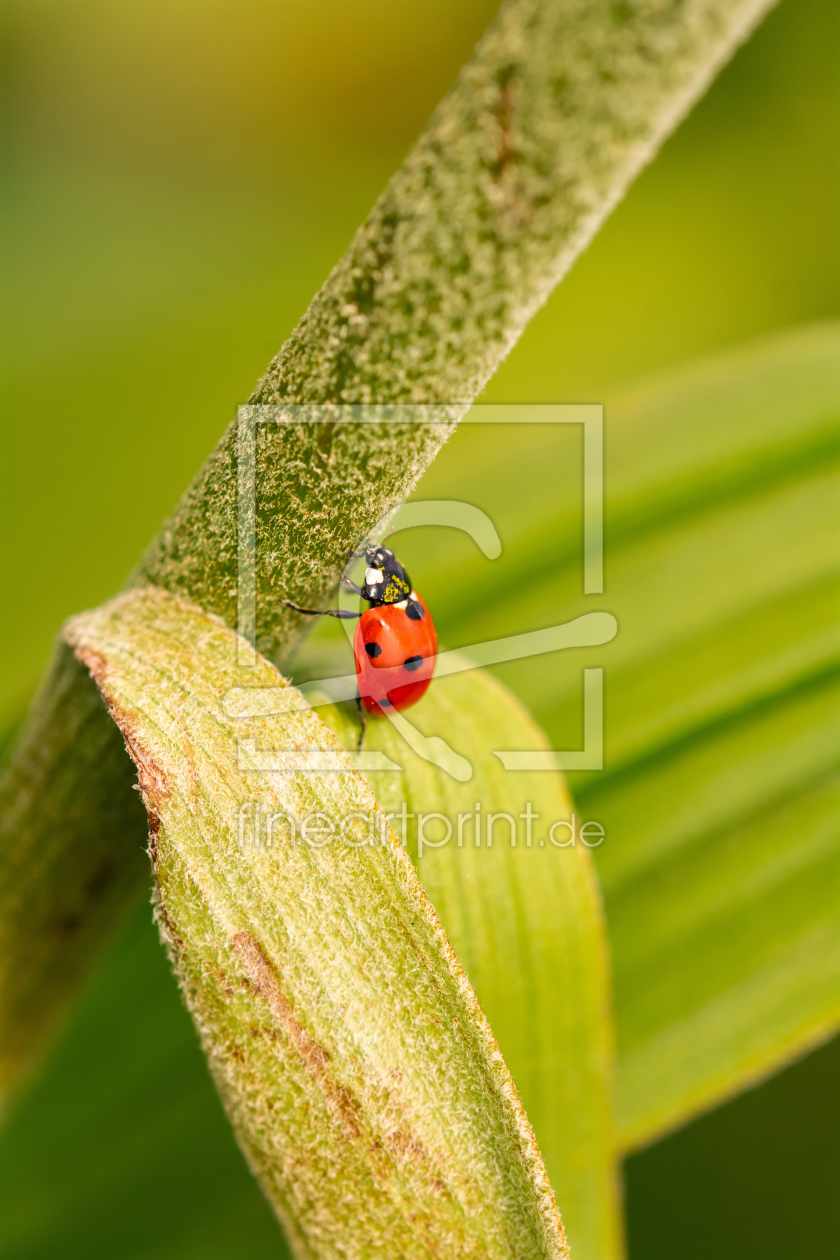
x,y
395,644
395,647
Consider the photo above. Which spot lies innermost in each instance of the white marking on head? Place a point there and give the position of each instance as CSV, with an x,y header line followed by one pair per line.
x,y
402,604
373,577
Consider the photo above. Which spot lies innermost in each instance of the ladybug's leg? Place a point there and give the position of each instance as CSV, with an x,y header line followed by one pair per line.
x,y
357,590
362,720
322,612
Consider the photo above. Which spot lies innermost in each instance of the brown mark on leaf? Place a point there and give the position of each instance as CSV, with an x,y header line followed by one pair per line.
x,y
95,664
154,787
154,832
315,1057
324,438
234,1052
186,744
152,781
503,113
406,1145
166,926
220,976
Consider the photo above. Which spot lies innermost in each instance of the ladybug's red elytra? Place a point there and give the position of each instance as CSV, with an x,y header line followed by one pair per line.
x,y
395,647
395,643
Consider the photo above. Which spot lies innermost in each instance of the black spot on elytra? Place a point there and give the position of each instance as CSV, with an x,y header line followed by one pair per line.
x,y
373,650
413,662
414,610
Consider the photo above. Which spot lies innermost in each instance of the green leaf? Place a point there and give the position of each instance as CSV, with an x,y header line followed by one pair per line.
x,y
361,1077
128,1064
521,163
719,794
723,893
526,921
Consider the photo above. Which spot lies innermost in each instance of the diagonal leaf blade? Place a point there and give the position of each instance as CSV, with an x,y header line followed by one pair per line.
x,y
362,1079
719,870
525,918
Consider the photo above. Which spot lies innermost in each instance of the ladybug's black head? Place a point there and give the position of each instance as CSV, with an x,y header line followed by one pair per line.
x,y
386,581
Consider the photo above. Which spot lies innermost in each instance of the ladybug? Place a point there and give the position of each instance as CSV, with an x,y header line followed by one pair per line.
x,y
395,643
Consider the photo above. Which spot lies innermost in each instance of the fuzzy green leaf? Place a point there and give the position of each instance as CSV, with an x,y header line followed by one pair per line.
x,y
361,1077
561,106
526,921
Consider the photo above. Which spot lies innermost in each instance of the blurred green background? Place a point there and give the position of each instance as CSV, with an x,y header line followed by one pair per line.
x,y
179,178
